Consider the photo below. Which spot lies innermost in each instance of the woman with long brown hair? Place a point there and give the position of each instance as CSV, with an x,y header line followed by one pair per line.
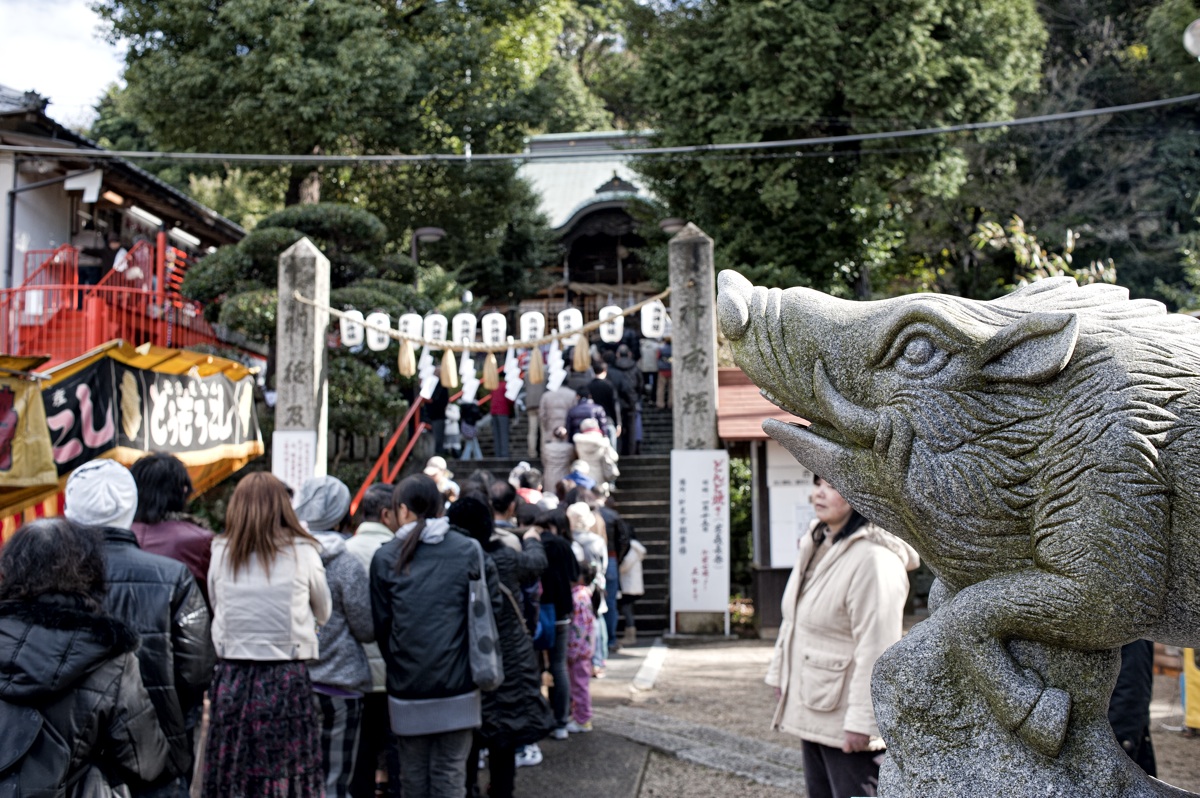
x,y
268,592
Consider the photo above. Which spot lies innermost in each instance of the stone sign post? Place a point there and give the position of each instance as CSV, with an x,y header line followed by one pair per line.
x,y
699,468
300,443
693,339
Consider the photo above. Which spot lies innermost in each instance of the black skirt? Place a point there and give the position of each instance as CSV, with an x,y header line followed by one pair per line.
x,y
264,740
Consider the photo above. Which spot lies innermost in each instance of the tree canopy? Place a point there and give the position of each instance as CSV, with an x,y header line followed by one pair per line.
x,y
767,71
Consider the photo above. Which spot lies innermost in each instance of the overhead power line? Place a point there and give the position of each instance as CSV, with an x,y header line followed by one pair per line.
x,y
529,157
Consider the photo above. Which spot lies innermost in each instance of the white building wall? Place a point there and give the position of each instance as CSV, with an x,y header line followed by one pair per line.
x,y
43,219
6,183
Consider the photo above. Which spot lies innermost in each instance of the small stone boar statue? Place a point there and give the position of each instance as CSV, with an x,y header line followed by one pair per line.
x,y
1041,451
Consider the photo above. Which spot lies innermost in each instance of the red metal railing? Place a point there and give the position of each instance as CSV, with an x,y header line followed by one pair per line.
x,y
384,467
52,266
64,321
135,272
383,462
51,314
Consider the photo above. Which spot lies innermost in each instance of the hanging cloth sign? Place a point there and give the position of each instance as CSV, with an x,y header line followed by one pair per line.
x,y
533,325
464,325
654,320
556,372
352,329
435,327
412,325
614,324
512,374
377,340
495,329
570,320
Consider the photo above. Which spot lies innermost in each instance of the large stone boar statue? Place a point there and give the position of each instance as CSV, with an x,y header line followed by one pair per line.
x,y
1041,451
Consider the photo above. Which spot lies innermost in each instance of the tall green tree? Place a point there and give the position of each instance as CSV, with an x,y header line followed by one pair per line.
x,y
830,216
1125,183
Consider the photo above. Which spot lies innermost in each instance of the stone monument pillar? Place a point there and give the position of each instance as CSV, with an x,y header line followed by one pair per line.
x,y
299,445
699,468
693,339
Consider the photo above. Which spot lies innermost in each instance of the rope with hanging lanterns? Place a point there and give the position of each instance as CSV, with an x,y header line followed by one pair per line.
x,y
444,345
407,362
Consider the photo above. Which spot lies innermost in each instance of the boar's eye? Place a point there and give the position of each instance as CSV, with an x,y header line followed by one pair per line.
x,y
920,351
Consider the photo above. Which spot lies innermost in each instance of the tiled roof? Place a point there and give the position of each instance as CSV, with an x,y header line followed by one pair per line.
x,y
566,186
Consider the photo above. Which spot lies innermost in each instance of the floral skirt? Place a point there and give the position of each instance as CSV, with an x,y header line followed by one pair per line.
x,y
264,740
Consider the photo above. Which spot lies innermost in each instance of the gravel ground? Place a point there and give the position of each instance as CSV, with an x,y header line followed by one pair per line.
x,y
667,777
719,685
722,685
1178,757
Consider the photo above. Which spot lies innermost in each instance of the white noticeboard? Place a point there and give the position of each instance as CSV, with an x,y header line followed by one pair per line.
x,y
790,487
700,532
294,456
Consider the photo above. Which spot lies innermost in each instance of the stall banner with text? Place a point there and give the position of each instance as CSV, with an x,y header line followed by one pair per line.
x,y
107,405
699,530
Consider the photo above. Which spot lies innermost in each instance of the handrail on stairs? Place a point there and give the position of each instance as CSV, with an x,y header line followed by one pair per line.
x,y
383,462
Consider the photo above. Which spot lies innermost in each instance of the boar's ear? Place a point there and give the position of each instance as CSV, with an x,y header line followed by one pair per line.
x,y
1034,349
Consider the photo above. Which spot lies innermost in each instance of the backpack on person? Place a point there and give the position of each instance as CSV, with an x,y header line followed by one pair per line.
x,y
35,758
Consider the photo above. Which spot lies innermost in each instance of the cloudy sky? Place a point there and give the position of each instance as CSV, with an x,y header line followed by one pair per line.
x,y
53,47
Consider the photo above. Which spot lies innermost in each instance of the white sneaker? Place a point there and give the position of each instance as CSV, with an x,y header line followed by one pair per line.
x,y
578,728
560,733
529,756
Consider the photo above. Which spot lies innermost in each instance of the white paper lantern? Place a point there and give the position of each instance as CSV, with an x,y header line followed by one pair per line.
x,y
654,320
352,329
412,325
533,325
435,327
612,330
377,341
495,329
570,320
463,327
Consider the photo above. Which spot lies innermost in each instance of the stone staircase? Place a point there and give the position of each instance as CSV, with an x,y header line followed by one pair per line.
x,y
642,495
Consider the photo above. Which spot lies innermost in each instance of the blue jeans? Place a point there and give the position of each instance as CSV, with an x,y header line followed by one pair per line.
x,y
612,578
471,450
500,435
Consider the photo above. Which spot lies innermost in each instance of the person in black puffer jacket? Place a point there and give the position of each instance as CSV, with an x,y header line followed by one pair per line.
x,y
420,584
63,659
515,714
158,598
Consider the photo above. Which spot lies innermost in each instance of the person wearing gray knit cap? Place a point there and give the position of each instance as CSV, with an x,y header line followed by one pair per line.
x,y
323,503
342,674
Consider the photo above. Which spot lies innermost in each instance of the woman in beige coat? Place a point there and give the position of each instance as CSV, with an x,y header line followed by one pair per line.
x,y
843,606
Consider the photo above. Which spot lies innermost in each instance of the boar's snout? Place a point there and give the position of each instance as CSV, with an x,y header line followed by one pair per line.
x,y
733,304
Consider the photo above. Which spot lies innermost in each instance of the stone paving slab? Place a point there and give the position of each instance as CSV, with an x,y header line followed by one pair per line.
x,y
596,765
767,764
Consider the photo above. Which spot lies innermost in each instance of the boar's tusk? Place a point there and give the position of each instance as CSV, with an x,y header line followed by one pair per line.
x,y
858,424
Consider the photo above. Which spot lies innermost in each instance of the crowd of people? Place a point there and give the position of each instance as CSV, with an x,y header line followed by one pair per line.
x,y
298,653
611,391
